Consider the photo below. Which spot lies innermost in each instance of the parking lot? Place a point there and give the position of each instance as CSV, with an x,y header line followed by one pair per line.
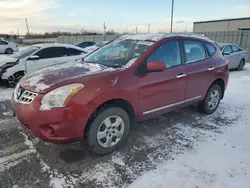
x,y
27,162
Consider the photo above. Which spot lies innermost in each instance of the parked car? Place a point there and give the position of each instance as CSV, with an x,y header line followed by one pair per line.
x,y
96,46
84,44
13,68
132,78
8,47
234,54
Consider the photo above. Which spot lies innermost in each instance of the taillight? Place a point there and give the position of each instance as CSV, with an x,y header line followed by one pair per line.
x,y
227,63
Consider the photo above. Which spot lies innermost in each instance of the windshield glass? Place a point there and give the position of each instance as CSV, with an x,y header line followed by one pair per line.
x,y
26,52
118,53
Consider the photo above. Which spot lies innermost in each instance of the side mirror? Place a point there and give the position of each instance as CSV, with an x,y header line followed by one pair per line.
x,y
34,57
225,53
155,66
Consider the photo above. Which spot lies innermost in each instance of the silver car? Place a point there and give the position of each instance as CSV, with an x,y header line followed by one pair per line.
x,y
236,56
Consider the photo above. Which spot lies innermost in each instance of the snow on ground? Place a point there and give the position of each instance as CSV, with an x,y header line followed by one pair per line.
x,y
220,162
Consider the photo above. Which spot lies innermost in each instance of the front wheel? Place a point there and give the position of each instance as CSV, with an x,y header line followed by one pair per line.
x,y
14,79
212,100
109,130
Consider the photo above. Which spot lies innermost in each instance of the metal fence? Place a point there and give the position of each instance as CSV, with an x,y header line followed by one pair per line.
x,y
94,38
241,38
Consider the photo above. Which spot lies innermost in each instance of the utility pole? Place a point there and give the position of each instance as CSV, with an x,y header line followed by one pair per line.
x,y
17,32
27,26
149,27
104,29
172,14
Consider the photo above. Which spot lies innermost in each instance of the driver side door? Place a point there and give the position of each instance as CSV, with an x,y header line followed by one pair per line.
x,y
160,92
47,57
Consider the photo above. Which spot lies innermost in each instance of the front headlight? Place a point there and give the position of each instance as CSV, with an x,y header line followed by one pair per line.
x,y
59,97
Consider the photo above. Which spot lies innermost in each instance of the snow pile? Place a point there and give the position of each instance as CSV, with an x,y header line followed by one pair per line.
x,y
6,93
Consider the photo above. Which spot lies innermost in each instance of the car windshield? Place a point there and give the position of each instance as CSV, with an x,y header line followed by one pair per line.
x,y
99,44
26,52
221,46
77,43
118,53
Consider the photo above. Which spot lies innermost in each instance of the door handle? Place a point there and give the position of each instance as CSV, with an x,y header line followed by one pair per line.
x,y
211,68
181,75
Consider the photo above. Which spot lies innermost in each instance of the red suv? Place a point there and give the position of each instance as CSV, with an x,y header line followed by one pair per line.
x,y
132,78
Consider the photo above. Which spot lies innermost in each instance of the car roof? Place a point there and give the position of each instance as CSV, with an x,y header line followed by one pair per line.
x,y
158,36
46,45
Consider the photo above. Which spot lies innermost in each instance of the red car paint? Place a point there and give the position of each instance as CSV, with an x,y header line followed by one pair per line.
x,y
181,85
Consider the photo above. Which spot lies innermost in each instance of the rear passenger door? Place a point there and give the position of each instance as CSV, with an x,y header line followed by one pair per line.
x,y
3,46
47,57
237,55
199,67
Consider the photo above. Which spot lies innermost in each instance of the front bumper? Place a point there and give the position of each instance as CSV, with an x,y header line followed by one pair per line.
x,y
58,125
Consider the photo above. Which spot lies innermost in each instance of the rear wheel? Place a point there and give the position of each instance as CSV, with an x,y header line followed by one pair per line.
x,y
241,65
14,79
8,51
109,130
212,100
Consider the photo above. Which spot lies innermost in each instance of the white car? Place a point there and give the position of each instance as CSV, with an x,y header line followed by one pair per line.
x,y
7,47
96,46
13,68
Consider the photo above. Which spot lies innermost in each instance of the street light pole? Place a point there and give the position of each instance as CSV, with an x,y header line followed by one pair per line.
x,y
172,14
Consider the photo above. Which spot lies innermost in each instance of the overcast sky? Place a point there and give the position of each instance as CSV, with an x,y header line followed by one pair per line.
x,y
119,15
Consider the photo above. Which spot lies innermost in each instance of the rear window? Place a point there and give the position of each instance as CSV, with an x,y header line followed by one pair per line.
x,y
210,48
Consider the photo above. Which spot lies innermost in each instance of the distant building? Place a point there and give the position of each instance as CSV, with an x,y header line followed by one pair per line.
x,y
233,24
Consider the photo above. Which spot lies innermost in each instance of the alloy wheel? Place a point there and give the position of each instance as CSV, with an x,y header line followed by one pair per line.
x,y
14,79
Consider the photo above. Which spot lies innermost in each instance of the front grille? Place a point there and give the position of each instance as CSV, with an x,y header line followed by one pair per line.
x,y
24,96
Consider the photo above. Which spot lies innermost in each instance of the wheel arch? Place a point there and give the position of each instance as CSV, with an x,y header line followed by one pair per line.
x,y
221,83
116,102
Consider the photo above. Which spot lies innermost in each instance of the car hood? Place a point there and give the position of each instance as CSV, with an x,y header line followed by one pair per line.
x,y
7,59
46,79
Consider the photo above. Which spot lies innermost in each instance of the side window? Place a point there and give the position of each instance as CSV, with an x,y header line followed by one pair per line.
x,y
194,51
169,53
72,52
51,52
227,49
235,48
3,42
210,48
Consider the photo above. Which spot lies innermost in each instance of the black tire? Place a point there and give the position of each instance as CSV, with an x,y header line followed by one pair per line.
x,y
204,106
14,79
8,51
98,122
241,65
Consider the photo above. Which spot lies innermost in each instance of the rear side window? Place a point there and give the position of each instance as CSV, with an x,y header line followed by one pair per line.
x,y
52,52
194,51
210,48
72,52
169,53
235,48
